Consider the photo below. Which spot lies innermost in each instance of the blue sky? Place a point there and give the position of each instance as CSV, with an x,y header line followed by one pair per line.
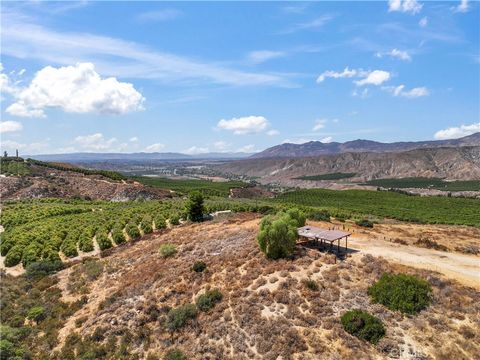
x,y
235,76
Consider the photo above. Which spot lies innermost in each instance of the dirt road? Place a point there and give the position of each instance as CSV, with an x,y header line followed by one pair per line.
x,y
463,268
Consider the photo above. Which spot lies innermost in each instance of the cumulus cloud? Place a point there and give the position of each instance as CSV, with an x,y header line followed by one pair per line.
x,y
75,89
412,93
155,147
6,84
423,22
375,77
133,139
247,149
395,53
406,6
95,142
462,7
221,145
10,126
244,125
326,140
319,124
30,148
346,73
195,150
260,56
457,132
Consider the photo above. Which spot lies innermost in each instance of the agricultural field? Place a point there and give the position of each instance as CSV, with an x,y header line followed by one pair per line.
x,y
351,203
211,188
427,183
331,176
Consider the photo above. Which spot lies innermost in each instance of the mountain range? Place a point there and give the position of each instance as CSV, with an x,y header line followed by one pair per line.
x,y
316,148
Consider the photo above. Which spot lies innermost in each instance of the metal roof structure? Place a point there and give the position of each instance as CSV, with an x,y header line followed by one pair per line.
x,y
313,232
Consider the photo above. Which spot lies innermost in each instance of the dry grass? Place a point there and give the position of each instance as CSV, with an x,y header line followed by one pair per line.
x,y
266,311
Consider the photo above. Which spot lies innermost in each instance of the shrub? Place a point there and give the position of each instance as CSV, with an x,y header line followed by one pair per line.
x,y
42,268
69,248
199,266
175,219
132,231
36,313
310,284
406,293
174,354
7,350
363,325
103,241
167,250
160,222
277,236
14,256
195,207
208,300
178,317
85,242
364,223
31,254
322,215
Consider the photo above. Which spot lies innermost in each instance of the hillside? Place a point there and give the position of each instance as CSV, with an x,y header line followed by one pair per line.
x,y
120,305
459,163
54,180
316,148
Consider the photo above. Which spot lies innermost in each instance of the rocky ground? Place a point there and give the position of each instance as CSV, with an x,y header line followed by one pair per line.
x,y
51,183
266,311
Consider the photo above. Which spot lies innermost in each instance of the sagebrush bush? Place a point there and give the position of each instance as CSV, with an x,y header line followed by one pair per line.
x,y
406,293
167,250
363,325
174,354
178,317
310,284
208,300
364,223
199,266
36,313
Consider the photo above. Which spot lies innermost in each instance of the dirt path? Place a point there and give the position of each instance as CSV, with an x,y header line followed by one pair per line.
x,y
463,268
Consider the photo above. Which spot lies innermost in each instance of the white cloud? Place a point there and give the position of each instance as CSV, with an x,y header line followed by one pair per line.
x,y
273,132
395,53
423,22
76,89
326,140
30,148
23,38
462,7
361,94
346,73
6,85
319,124
457,132
96,142
406,6
155,147
412,93
221,145
375,77
159,15
244,125
10,126
133,139
247,149
194,150
260,56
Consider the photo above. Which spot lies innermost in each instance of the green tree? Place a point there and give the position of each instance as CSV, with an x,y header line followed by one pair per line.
x,y
278,235
195,207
